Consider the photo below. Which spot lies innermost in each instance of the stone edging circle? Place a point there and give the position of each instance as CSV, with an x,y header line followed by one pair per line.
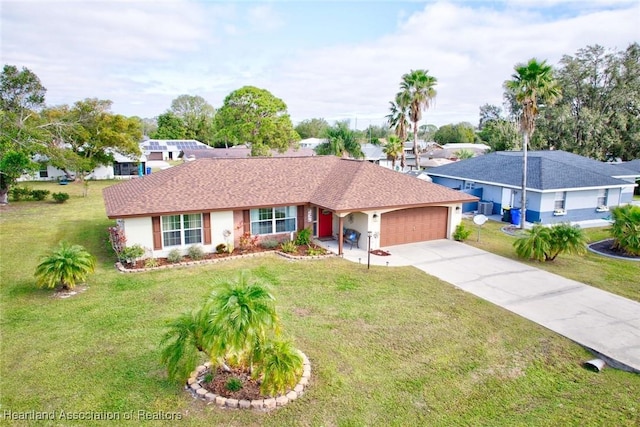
x,y
195,387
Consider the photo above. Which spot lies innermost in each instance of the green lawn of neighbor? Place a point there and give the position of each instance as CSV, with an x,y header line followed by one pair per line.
x,y
388,346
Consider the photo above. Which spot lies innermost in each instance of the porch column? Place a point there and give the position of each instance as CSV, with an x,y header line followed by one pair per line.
x,y
340,235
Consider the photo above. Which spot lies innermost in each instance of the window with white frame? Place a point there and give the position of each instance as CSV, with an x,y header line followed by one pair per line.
x,y
560,199
273,220
178,230
469,185
44,171
602,197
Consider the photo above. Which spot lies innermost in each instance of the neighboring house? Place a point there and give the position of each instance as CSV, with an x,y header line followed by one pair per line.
x,y
632,166
240,151
374,153
213,201
560,186
169,149
450,150
311,143
123,167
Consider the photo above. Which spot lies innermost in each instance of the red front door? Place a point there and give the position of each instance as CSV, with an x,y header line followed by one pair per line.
x,y
325,223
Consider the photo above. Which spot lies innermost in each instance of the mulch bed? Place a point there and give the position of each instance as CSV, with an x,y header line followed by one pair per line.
x,y
605,247
302,251
218,385
380,252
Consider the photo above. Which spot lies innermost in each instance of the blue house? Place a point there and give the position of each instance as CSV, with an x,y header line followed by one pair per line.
x,y
561,186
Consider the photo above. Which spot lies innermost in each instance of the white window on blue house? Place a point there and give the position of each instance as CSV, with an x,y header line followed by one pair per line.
x,y
469,185
602,197
273,220
560,200
178,230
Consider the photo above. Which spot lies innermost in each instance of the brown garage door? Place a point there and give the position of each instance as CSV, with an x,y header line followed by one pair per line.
x,y
413,225
155,156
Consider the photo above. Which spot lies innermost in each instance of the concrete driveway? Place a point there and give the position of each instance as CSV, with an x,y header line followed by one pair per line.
x,y
603,322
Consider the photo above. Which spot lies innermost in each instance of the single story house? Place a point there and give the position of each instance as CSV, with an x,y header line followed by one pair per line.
x,y
169,149
374,153
561,186
214,201
123,167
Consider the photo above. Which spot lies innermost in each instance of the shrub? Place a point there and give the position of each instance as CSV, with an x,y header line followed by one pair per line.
x,y
233,384
269,244
248,241
542,243
315,251
174,256
283,366
39,194
221,248
289,247
461,233
195,252
60,197
304,237
130,254
208,377
151,262
625,229
20,193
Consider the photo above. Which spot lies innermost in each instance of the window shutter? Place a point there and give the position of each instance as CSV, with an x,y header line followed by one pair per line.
x,y
206,227
246,221
157,233
300,224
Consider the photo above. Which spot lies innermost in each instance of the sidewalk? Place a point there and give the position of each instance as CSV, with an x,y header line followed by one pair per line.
x,y
601,321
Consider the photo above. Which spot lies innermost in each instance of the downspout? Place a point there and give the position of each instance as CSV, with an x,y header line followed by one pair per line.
x,y
340,235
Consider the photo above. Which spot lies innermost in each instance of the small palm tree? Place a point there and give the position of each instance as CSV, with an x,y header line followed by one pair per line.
x,y
283,366
394,149
535,244
65,266
625,229
463,154
417,87
542,243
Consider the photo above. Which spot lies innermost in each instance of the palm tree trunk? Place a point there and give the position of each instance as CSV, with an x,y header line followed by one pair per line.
x,y
523,201
416,152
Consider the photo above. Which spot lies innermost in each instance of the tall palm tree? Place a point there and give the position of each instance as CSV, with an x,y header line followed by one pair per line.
x,y
66,266
394,149
533,84
418,86
341,140
399,121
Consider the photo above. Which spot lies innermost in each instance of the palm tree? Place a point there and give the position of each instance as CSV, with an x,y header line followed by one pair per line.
x,y
66,266
625,229
542,243
393,149
398,120
243,315
532,83
340,140
283,366
418,87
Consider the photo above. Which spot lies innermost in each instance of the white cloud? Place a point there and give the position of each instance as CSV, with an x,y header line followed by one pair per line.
x,y
143,54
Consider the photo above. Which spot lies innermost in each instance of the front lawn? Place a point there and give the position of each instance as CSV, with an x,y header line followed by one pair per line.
x,y
613,275
388,346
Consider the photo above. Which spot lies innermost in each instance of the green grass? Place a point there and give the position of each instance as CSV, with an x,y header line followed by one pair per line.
x,y
388,346
620,277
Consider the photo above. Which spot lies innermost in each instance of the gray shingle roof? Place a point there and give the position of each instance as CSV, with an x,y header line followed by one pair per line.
x,y
546,170
333,183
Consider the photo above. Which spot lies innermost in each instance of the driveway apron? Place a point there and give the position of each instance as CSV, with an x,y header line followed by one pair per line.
x,y
604,322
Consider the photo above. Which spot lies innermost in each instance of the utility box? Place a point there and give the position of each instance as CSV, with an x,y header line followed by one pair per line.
x,y
485,208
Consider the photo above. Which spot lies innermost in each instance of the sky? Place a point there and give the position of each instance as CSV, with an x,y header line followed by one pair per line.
x,y
337,60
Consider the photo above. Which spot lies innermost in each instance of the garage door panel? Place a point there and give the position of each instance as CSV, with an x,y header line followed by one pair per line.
x,y
413,225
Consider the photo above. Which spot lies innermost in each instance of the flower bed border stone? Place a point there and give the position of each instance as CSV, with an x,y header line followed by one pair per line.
x,y
194,386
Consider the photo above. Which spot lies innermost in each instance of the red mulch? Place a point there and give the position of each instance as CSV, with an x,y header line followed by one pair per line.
x,y
302,251
380,252
250,388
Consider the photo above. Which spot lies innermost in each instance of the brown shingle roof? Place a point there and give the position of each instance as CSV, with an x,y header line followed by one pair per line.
x,y
223,184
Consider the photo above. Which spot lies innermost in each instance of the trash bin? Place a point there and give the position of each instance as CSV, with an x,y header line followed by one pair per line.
x,y
148,171
506,214
515,216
